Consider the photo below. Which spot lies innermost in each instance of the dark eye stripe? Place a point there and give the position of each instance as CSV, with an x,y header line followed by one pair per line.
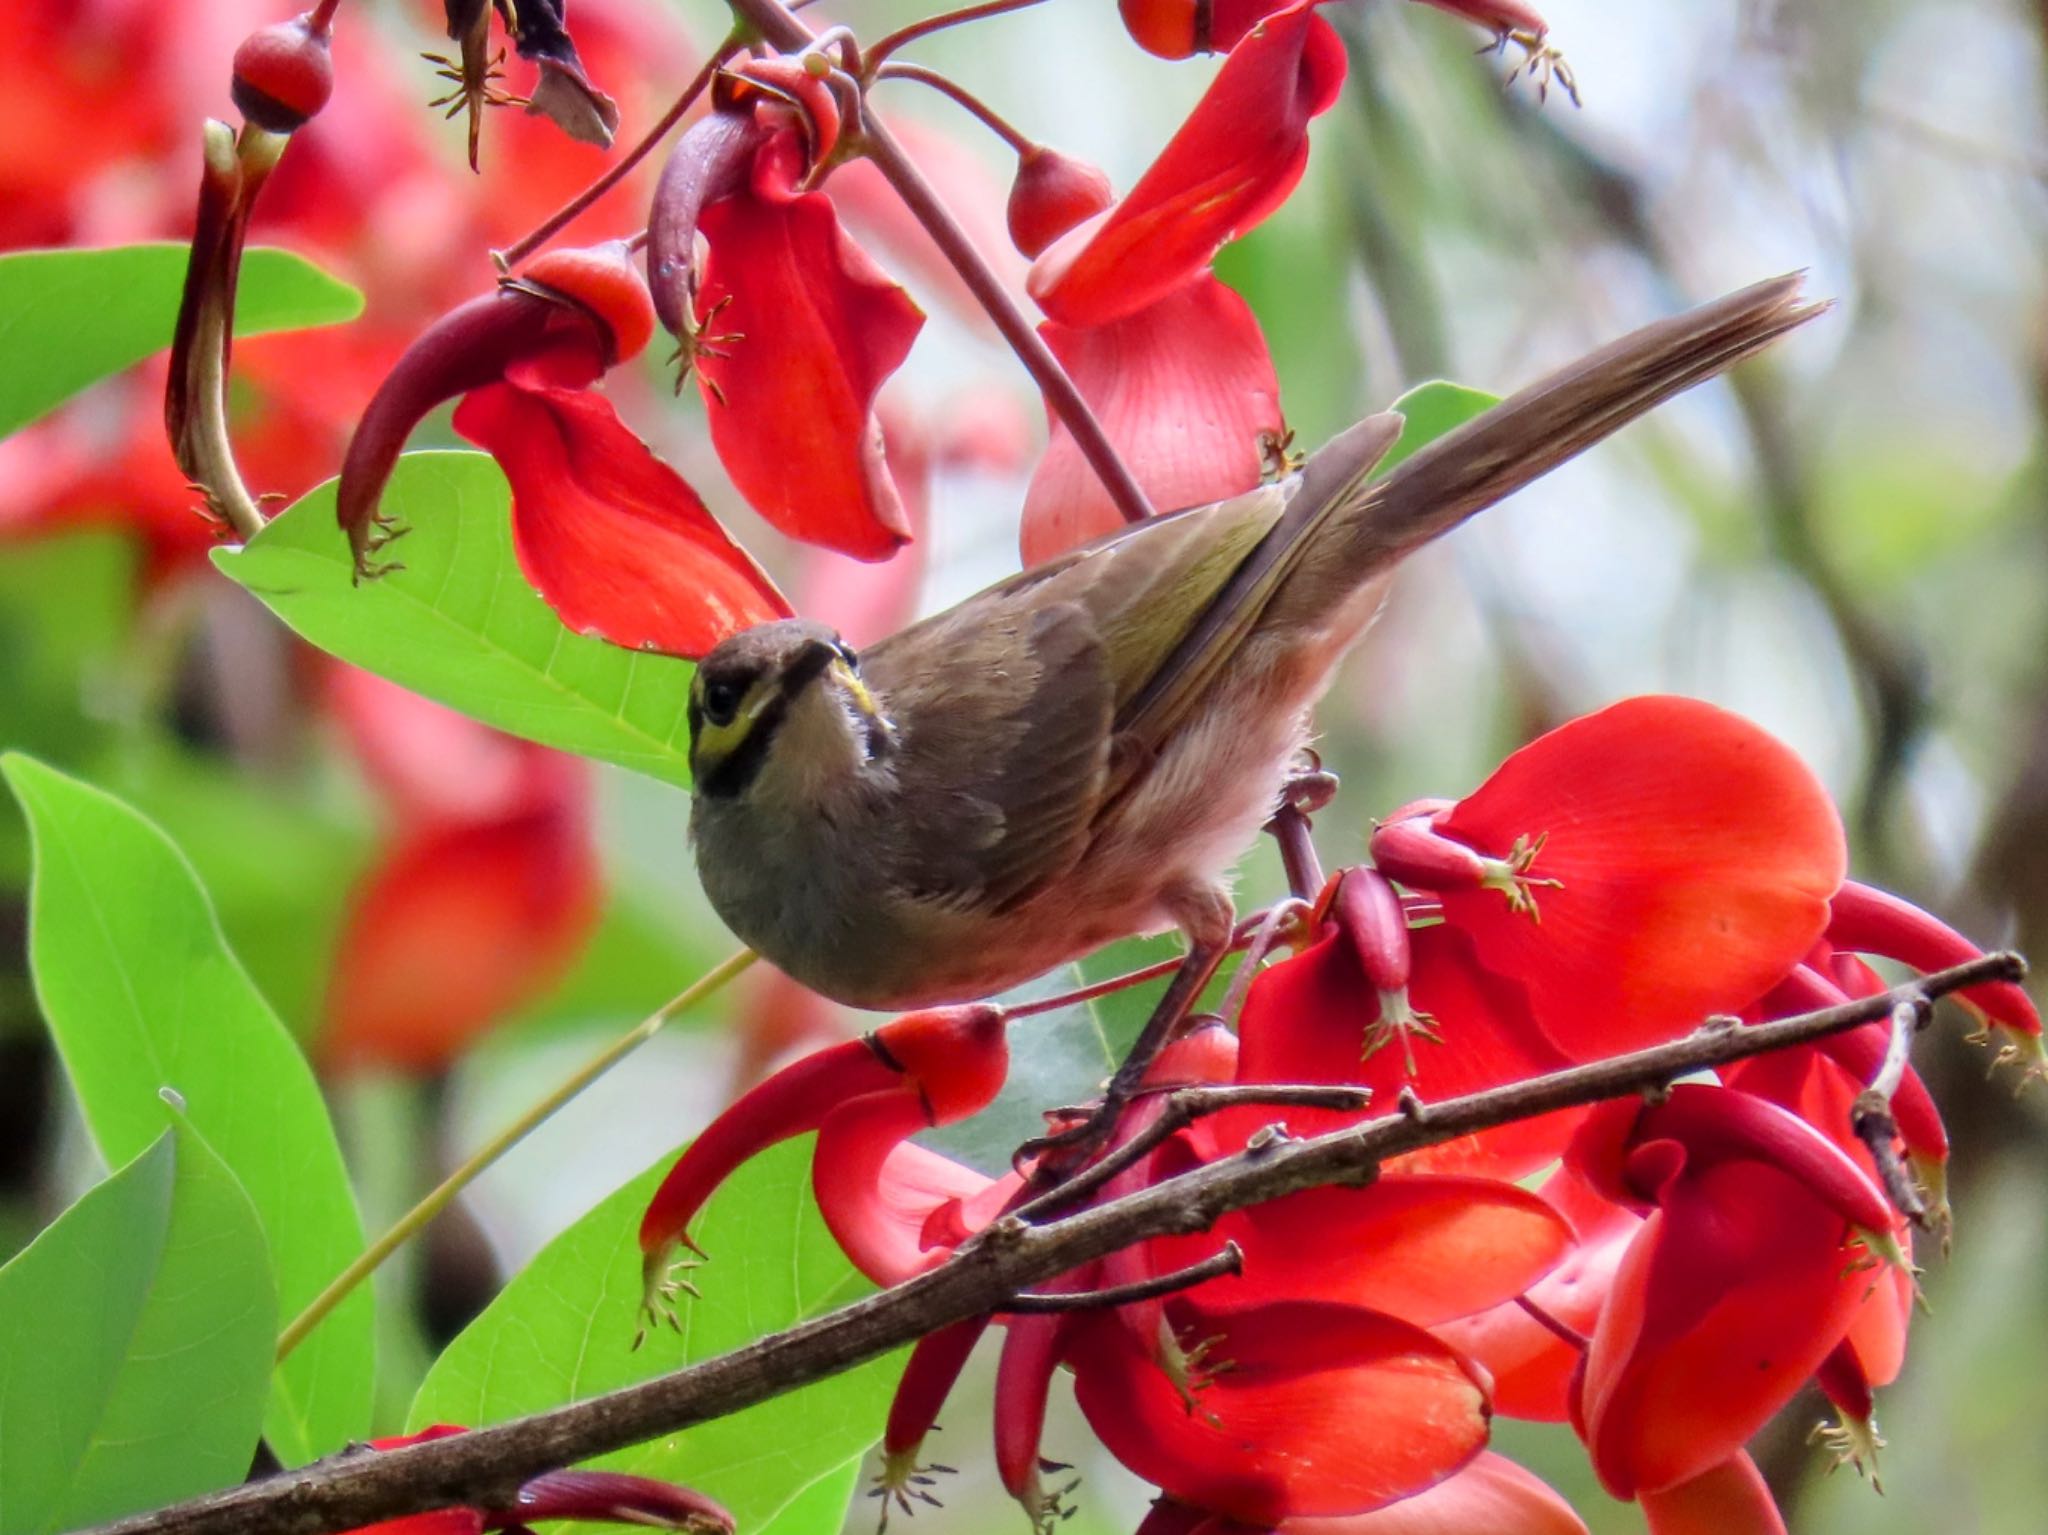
x,y
731,774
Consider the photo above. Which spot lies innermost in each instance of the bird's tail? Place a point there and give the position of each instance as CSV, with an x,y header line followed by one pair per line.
x,y
1376,523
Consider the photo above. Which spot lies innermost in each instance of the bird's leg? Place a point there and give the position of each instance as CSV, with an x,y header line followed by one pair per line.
x,y
1207,917
1308,788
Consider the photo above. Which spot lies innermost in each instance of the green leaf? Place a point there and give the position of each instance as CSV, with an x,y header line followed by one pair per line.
x,y
563,1330
460,624
141,992
69,318
1430,410
135,1344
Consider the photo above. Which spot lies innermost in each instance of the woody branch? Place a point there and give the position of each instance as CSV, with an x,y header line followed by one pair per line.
x,y
487,1467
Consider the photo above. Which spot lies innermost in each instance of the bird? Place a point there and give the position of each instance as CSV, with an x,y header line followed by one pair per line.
x,y
1083,751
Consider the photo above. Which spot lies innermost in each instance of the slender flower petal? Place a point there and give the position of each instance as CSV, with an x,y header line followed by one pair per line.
x,y
1234,161
1186,390
1728,1499
1289,1409
1655,862
613,538
820,327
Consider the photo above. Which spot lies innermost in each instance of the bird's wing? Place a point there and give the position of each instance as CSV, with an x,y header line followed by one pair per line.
x,y
1003,715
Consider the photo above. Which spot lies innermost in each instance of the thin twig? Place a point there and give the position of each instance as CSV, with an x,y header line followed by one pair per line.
x,y
437,1199
576,206
1871,1115
1183,1108
1556,1326
1284,913
1239,937
485,1468
1229,1261
910,34
1001,126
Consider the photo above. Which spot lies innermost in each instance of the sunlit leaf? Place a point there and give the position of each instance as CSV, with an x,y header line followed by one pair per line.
x,y
69,318
562,1331
135,1344
460,624
1430,410
140,993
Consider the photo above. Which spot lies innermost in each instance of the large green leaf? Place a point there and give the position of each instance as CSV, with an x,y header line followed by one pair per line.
x,y
563,1329
135,1344
141,992
460,624
71,317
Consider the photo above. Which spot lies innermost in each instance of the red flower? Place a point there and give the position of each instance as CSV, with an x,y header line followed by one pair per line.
x,y
1737,1287
865,1098
1491,1493
612,537
483,897
1172,361
1728,1499
605,1497
1186,390
1636,870
791,328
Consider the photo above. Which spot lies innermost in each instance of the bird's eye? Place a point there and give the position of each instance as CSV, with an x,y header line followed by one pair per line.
x,y
721,701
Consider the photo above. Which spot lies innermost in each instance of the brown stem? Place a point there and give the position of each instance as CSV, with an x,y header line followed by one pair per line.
x,y
1871,1115
1557,1327
485,1468
963,97
774,22
1229,1261
1240,936
939,23
576,206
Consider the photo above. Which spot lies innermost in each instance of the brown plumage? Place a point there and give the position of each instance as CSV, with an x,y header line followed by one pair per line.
x,y
1082,751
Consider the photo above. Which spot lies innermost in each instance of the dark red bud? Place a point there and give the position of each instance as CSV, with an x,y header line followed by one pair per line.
x,y
470,346
283,75
604,280
1052,193
710,161
1172,29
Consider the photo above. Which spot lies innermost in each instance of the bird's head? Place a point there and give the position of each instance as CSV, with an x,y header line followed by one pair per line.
x,y
787,693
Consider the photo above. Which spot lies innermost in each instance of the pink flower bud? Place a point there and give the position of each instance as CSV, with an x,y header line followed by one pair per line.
x,y
1052,193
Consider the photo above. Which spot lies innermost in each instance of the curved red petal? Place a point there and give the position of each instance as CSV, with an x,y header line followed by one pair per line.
x,y
1492,1494
1324,1410
1729,1499
1696,856
1234,161
1728,1299
1185,390
818,328
1424,1249
613,538
1531,1365
1307,1020
454,929
877,1191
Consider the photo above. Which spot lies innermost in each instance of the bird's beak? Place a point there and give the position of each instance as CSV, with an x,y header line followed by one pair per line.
x,y
849,679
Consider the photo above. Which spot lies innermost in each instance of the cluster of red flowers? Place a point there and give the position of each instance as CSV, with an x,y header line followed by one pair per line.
x,y
1683,1266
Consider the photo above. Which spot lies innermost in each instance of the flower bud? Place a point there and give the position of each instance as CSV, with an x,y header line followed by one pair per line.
x,y
283,75
1052,193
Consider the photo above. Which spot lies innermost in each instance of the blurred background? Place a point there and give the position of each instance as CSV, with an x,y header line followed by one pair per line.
x,y
1848,544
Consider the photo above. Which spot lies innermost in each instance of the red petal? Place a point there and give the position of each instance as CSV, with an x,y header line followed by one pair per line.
x,y
1492,1494
1187,393
1729,1499
611,536
1697,855
426,760
1325,1410
1531,1365
1305,1020
1233,162
1424,1249
457,927
877,1191
1727,1300
822,327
